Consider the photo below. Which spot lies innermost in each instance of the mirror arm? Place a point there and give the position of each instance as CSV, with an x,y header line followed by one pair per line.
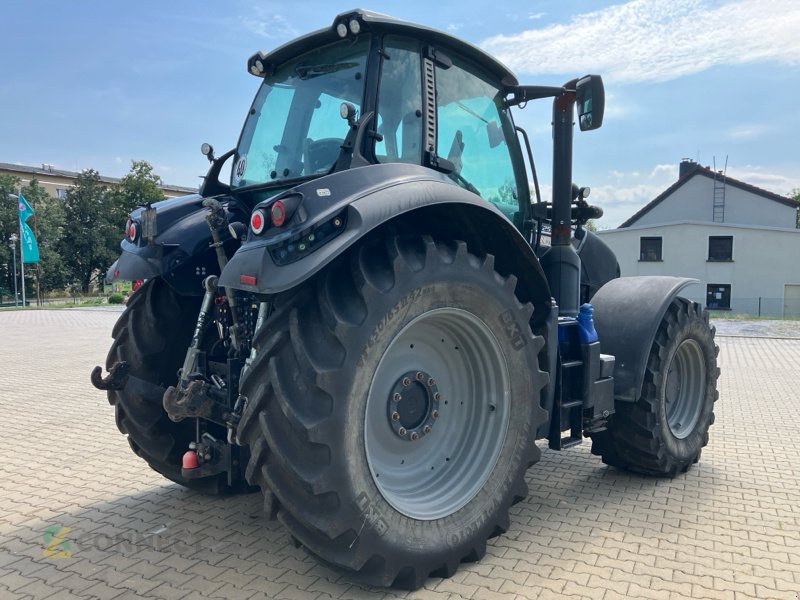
x,y
211,185
524,93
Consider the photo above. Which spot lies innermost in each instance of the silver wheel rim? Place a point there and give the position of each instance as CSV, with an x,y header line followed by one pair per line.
x,y
685,388
465,381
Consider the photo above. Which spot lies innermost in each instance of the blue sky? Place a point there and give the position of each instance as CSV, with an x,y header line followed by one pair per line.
x,y
98,84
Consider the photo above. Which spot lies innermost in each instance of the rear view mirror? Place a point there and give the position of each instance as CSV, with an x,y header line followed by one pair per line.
x,y
591,99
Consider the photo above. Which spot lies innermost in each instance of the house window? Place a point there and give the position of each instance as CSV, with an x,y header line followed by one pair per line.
x,y
650,249
718,295
720,248
61,193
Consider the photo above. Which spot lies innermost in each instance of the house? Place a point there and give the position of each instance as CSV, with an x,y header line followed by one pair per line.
x,y
742,242
56,182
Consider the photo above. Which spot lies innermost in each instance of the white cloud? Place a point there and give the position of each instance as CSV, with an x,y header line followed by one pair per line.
x,y
536,16
657,40
268,24
626,192
765,178
748,131
670,170
454,26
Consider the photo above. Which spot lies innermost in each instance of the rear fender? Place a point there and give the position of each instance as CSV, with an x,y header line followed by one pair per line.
x,y
384,198
627,313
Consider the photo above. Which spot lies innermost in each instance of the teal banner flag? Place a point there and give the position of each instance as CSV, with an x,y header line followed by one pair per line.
x,y
25,209
30,249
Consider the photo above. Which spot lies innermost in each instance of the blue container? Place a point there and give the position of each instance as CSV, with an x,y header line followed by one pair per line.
x,y
586,330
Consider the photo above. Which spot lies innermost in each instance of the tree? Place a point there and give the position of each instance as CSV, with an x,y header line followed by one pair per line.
x,y
795,195
48,225
139,187
90,239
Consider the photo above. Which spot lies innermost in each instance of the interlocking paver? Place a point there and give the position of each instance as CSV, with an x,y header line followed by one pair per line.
x,y
730,528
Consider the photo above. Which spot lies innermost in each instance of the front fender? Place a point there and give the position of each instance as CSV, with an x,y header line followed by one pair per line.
x,y
180,251
627,313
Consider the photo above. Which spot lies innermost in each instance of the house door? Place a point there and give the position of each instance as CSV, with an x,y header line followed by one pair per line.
x,y
791,300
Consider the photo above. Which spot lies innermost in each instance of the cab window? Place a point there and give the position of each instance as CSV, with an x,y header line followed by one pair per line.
x,y
400,103
470,116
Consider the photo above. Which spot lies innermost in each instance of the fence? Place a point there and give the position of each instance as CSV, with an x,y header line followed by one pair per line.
x,y
762,306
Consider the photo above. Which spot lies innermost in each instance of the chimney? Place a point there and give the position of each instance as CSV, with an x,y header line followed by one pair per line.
x,y
687,164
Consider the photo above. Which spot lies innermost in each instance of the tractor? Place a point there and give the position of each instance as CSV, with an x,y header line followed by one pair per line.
x,y
375,317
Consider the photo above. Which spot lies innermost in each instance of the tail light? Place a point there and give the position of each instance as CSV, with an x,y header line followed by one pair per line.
x,y
132,230
258,220
277,213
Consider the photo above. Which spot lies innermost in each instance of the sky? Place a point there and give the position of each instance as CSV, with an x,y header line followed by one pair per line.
x,y
97,84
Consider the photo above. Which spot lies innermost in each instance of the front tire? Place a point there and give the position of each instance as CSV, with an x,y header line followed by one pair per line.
x,y
392,409
664,432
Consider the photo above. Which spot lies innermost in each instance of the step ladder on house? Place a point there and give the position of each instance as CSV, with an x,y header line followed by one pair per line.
x,y
719,193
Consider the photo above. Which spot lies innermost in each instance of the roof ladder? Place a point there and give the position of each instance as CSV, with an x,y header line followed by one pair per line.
x,y
718,215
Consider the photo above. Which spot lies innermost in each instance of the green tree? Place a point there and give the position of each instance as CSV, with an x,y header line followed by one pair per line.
x,y
139,187
90,239
48,226
795,195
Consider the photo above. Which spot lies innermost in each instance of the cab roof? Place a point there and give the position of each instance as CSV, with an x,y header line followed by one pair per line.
x,y
262,63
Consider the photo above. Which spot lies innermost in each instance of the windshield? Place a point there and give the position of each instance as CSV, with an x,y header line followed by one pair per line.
x,y
294,128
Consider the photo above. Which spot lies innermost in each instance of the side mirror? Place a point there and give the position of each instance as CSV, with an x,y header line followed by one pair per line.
x,y
591,100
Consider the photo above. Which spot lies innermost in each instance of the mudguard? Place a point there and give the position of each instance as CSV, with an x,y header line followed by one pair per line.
x,y
627,313
364,199
180,249
598,264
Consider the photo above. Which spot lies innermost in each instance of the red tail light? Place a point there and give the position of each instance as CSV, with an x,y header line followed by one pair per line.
x,y
278,213
132,230
257,221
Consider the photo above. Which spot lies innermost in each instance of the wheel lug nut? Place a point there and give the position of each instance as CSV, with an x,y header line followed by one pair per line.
x,y
414,436
397,397
431,382
395,416
401,431
435,414
437,396
427,429
420,376
406,382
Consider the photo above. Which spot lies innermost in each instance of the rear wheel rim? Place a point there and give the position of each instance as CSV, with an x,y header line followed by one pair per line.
x,y
685,388
460,390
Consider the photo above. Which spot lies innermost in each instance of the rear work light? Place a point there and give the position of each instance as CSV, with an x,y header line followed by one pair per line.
x,y
257,221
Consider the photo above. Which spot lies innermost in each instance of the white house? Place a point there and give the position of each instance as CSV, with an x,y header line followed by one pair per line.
x,y
740,241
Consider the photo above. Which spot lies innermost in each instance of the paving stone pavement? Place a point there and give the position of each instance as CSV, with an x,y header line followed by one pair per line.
x,y
82,517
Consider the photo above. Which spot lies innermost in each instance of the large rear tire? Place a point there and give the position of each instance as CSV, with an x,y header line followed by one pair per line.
x,y
664,432
392,408
152,336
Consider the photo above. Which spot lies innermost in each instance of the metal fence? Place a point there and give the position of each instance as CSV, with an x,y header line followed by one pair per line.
x,y
762,306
